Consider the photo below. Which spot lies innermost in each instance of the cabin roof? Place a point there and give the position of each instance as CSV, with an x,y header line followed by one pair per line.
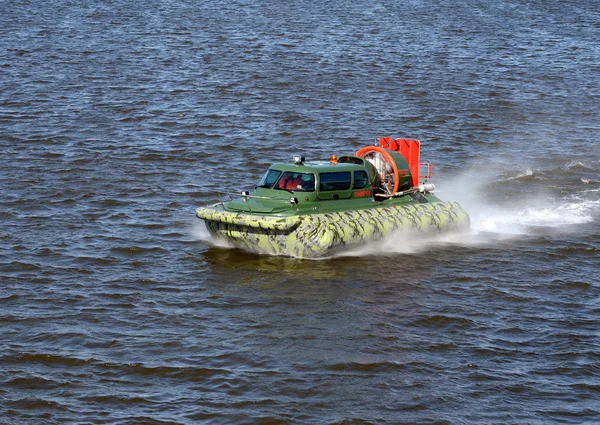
x,y
316,167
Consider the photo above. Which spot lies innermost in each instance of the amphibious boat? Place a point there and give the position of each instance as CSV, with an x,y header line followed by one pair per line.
x,y
313,209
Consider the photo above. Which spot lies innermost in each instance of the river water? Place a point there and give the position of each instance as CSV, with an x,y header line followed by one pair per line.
x,y
119,118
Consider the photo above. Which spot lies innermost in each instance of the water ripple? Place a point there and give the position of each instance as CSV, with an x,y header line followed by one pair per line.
x,y
120,119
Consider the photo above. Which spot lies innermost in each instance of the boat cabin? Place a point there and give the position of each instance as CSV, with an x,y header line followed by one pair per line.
x,y
340,178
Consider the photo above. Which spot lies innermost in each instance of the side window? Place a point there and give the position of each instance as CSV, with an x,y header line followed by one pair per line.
x,y
360,179
335,181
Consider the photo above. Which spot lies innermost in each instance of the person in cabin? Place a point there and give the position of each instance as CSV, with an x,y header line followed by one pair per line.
x,y
290,182
293,183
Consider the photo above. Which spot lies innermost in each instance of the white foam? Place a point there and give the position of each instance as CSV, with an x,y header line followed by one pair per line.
x,y
200,232
573,164
556,216
527,173
520,219
412,243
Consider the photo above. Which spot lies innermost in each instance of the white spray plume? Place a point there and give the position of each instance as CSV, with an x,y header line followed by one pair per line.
x,y
200,232
492,218
520,211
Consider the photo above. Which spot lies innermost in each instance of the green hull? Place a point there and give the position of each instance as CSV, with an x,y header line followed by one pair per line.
x,y
321,235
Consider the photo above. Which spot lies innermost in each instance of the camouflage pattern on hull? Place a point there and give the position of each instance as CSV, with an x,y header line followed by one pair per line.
x,y
320,235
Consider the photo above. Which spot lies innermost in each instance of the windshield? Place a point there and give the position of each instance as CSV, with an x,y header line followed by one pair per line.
x,y
269,178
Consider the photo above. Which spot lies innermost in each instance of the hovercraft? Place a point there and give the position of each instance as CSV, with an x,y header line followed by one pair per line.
x,y
313,209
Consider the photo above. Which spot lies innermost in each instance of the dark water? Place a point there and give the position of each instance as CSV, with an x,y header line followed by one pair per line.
x,y
118,119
